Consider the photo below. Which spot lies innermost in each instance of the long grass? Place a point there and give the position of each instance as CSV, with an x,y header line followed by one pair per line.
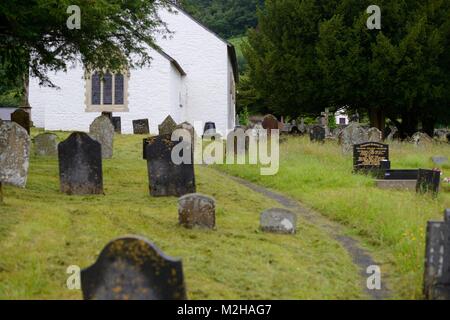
x,y
391,223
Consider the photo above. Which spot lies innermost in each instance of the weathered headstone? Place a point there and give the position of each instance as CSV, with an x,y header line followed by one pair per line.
x,y
117,123
351,135
270,123
278,221
46,145
421,139
374,135
428,181
102,130
439,160
369,156
14,154
391,133
197,210
165,177
167,127
80,165
317,134
141,126
132,268
22,118
437,260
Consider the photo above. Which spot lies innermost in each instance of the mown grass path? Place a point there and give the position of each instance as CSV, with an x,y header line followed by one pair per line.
x,y
42,232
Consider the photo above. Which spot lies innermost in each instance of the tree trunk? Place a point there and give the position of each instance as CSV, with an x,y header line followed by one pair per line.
x,y
26,91
409,124
428,125
377,118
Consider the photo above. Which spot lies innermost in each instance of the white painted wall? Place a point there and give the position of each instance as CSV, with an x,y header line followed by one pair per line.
x,y
5,113
155,91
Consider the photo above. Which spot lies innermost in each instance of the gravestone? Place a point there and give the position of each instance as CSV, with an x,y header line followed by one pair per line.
x,y
317,134
141,126
439,160
270,123
102,130
278,221
197,210
421,139
392,133
401,174
22,118
374,135
369,157
351,135
165,177
133,268
46,145
14,154
117,123
437,260
167,127
190,128
80,165
428,181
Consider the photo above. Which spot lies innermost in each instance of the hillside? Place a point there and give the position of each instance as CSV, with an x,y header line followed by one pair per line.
x,y
228,18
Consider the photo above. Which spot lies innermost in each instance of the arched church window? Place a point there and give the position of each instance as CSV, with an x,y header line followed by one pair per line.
x,y
107,92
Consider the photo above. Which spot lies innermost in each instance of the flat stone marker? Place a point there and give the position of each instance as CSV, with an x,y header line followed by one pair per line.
x,y
46,145
428,181
117,123
14,154
278,221
437,259
197,210
317,134
133,268
439,160
168,126
22,118
80,165
141,126
165,177
102,130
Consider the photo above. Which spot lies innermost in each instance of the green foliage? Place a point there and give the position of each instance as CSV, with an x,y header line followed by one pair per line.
x,y
228,18
34,35
307,55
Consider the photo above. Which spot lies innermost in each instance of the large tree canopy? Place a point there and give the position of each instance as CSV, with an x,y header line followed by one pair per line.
x,y
307,55
114,33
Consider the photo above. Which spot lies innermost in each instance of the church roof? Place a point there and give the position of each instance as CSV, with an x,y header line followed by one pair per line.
x,y
172,60
230,47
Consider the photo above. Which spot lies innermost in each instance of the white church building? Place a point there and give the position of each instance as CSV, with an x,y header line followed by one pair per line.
x,y
192,78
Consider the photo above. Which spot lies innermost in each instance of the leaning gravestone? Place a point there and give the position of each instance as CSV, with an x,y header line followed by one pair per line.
x,y
46,145
80,165
117,123
102,130
437,260
374,135
168,126
317,134
370,157
351,135
270,123
278,221
165,177
197,210
132,268
14,154
428,181
141,126
22,118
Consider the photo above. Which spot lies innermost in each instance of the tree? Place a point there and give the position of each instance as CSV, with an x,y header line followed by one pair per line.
x,y
114,34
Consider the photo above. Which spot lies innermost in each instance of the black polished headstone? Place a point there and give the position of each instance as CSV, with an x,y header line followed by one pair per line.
x,y
317,134
22,118
165,177
428,181
370,157
132,268
117,123
141,126
80,165
400,174
437,260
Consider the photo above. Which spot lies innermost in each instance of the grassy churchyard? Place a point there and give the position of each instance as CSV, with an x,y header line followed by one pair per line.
x,y
43,232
